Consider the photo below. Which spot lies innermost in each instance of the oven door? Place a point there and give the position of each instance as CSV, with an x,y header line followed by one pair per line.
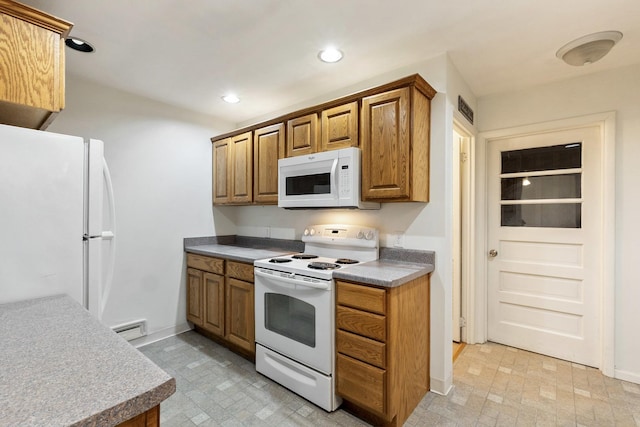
x,y
294,317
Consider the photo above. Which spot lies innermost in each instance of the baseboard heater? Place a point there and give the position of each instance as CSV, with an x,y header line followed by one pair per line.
x,y
131,331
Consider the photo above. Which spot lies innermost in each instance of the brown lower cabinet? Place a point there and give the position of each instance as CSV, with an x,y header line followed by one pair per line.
x,y
220,301
382,349
151,418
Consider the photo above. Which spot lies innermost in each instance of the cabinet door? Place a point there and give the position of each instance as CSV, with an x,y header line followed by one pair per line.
x,y
268,147
221,153
195,305
32,58
240,327
242,168
214,303
386,145
339,127
302,135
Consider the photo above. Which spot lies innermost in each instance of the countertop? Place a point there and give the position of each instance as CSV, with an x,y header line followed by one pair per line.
x,y
59,366
394,268
235,253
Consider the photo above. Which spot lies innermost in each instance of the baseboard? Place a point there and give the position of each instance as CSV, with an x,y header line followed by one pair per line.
x,y
160,335
440,386
632,377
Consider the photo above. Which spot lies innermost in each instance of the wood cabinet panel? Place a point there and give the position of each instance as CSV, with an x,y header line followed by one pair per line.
x,y
221,183
151,418
361,297
195,306
361,383
339,127
240,323
386,149
302,135
214,303
201,262
395,146
361,348
268,147
359,322
32,57
240,270
241,168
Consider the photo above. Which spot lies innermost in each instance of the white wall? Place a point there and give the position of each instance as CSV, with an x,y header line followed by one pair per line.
x,y
619,91
426,226
160,161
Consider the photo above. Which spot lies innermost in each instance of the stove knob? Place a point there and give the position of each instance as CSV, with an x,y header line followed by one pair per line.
x,y
360,235
312,232
369,235
306,231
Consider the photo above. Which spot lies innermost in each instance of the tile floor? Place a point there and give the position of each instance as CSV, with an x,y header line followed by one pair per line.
x,y
494,385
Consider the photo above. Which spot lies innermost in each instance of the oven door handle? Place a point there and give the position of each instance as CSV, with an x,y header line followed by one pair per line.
x,y
280,281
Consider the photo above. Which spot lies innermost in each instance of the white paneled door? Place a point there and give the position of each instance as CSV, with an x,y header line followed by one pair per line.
x,y
544,254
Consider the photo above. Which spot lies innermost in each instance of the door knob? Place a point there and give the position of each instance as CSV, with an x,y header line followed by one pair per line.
x,y
493,253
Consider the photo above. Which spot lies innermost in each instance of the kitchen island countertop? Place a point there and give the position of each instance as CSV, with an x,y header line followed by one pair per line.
x,y
59,366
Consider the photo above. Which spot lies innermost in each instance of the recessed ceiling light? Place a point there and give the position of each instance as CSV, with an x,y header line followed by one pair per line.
x,y
588,49
231,98
79,45
330,54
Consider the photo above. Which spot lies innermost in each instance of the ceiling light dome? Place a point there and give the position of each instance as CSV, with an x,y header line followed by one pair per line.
x,y
330,54
588,49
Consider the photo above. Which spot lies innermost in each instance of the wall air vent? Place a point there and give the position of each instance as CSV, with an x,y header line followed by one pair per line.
x,y
131,331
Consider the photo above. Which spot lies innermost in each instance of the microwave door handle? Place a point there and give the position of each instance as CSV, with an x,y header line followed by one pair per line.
x,y
280,281
334,182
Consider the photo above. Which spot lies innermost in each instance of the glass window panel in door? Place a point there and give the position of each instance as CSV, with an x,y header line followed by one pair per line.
x,y
566,156
553,215
567,186
290,317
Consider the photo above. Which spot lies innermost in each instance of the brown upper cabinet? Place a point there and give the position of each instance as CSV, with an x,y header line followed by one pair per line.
x,y
303,135
232,170
339,127
32,53
390,123
268,147
395,146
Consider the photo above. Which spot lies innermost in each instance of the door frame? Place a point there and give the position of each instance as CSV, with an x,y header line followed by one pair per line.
x,y
463,213
606,122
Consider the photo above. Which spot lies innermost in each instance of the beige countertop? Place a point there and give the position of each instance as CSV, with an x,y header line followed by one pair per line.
x,y
59,366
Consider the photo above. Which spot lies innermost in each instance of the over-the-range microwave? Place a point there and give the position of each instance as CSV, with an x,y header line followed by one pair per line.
x,y
330,179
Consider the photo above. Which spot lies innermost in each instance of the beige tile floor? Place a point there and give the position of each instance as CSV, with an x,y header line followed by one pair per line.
x,y
494,385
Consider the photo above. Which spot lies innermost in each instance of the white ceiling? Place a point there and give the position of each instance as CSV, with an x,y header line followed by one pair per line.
x,y
190,53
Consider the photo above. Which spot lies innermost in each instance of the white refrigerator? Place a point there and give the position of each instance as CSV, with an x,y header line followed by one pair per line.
x,y
57,218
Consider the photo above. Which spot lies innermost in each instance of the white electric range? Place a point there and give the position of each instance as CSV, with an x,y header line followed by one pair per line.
x,y
295,309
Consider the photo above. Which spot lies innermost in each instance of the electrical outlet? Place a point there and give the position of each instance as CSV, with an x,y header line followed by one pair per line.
x,y
268,233
398,239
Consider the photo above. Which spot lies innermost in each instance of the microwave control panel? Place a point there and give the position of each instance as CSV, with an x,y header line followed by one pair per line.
x,y
345,171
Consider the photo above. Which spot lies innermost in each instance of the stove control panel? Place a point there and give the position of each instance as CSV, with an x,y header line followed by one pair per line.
x,y
341,234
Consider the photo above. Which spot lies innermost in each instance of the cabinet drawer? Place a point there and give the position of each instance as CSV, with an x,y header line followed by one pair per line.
x,y
240,270
362,323
361,348
362,297
361,383
212,265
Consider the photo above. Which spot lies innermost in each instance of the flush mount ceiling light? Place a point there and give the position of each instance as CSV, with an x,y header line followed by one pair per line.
x,y
330,54
79,45
231,98
588,49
